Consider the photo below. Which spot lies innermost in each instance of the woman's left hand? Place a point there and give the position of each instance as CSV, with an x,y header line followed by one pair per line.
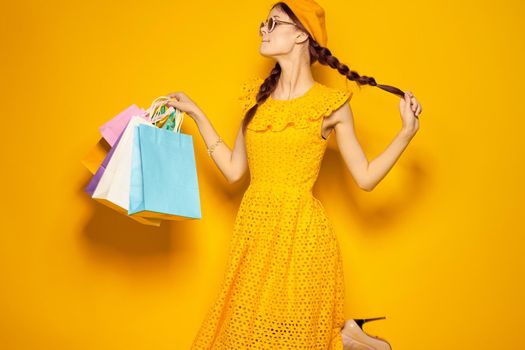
x,y
410,111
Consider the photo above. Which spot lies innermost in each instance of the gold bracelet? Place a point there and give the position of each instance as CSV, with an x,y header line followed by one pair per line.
x,y
212,148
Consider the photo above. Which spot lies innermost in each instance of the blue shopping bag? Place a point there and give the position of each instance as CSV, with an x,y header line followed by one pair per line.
x,y
164,182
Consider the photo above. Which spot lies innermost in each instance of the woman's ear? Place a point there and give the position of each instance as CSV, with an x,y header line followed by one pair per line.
x,y
301,37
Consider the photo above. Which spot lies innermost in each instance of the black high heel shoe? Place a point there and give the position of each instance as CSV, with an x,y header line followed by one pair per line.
x,y
357,338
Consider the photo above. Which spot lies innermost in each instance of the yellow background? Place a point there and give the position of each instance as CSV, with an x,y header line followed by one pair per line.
x,y
437,247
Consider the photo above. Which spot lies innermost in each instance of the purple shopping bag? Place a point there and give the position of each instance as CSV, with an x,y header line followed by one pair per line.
x,y
112,129
90,189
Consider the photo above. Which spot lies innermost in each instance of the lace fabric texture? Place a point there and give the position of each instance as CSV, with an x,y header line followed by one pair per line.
x,y
317,102
283,284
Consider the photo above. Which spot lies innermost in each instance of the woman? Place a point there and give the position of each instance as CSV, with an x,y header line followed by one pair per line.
x,y
283,287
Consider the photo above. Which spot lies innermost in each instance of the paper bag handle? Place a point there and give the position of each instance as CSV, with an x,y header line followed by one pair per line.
x,y
155,115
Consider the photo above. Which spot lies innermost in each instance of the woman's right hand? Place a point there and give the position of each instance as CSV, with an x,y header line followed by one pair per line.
x,y
182,102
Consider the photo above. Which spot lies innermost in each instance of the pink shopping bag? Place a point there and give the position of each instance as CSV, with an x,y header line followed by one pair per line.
x,y
112,129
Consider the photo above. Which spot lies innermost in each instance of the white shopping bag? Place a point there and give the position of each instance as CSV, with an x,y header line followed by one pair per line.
x,y
114,185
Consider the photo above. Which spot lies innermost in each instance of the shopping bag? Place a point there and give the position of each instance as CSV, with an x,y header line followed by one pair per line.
x,y
90,189
164,181
96,155
112,129
113,186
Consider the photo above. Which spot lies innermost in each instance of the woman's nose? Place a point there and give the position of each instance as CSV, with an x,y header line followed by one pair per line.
x,y
262,29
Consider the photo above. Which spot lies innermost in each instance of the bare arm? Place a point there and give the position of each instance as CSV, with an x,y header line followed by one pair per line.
x,y
232,163
367,175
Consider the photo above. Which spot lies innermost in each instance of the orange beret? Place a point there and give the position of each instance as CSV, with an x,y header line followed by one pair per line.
x,y
311,16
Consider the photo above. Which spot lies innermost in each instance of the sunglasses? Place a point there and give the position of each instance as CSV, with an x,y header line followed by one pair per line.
x,y
271,23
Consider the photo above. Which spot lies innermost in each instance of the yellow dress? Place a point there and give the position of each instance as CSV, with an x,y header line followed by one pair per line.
x,y
283,285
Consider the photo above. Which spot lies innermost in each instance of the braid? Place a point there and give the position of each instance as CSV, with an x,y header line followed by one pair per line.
x,y
266,88
317,53
324,56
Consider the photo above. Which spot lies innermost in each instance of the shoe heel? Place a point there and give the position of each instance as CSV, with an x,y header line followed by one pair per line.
x,y
361,321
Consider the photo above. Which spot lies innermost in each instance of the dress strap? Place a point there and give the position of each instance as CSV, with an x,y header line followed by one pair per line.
x,y
333,100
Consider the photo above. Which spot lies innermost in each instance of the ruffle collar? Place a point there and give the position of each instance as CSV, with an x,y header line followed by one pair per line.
x,y
318,102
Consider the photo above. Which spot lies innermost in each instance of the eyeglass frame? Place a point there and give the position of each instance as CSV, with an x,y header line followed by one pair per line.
x,y
277,21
